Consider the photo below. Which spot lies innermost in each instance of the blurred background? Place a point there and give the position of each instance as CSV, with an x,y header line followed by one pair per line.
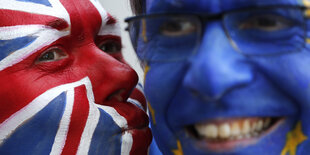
x,y
121,9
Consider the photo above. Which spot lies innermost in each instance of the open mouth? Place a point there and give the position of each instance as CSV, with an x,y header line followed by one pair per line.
x,y
226,134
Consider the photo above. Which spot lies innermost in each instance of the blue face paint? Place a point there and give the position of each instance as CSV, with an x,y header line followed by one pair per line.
x,y
220,88
44,2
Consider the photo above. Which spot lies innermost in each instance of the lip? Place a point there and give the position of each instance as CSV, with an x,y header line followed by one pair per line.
x,y
137,126
136,118
229,145
140,136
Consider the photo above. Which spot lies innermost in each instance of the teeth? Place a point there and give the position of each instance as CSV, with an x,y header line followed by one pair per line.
x,y
224,131
247,136
212,131
255,134
233,130
246,127
267,122
259,125
239,137
254,126
209,131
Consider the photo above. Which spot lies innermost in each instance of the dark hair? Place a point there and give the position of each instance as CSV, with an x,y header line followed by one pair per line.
x,y
137,6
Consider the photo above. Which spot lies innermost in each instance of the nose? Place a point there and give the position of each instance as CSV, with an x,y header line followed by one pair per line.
x,y
110,78
217,68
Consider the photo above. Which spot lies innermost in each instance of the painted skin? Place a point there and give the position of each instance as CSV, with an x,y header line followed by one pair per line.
x,y
66,55
221,85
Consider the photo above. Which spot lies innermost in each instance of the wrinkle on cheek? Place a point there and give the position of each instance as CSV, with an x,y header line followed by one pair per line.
x,y
54,66
25,81
61,76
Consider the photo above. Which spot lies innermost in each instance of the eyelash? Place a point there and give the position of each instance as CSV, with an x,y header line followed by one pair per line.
x,y
52,54
110,47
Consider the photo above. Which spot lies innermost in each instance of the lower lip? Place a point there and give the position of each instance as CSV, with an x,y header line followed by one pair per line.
x,y
227,146
141,140
143,130
137,125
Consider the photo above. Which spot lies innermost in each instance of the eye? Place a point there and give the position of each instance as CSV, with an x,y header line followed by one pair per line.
x,y
53,54
266,23
111,47
177,27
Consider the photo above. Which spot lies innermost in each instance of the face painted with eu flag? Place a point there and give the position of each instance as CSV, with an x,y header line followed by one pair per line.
x,y
227,76
65,88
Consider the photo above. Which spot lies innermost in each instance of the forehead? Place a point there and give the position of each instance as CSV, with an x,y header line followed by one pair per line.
x,y
45,12
28,25
211,5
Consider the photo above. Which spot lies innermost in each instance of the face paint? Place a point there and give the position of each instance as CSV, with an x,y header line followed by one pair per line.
x,y
64,86
220,100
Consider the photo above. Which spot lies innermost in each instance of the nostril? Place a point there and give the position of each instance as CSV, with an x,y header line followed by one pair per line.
x,y
194,93
117,95
197,94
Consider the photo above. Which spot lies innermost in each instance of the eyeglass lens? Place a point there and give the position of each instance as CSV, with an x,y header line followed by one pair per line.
x,y
253,32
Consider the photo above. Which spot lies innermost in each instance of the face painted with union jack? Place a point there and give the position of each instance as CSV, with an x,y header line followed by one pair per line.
x,y
65,88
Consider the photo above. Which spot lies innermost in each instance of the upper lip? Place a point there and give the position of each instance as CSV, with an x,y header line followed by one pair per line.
x,y
136,118
118,95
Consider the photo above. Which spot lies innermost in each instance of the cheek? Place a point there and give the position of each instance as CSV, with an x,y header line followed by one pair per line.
x,y
162,81
25,86
118,56
288,72
22,83
19,88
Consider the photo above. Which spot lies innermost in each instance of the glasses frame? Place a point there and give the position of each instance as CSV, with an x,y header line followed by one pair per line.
x,y
205,18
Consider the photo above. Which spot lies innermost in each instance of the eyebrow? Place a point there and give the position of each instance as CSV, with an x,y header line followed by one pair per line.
x,y
24,18
58,24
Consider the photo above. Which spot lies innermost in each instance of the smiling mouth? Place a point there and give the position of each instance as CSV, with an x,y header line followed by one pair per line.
x,y
226,134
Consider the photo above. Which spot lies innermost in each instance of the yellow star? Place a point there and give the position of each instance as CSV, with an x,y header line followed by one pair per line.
x,y
152,111
306,3
146,70
144,30
179,150
293,139
307,12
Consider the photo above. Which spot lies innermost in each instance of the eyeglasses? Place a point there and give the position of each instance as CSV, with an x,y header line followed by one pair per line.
x,y
252,31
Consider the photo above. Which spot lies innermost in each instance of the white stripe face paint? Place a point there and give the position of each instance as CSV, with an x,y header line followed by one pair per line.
x,y
18,118
127,142
91,124
136,103
127,139
57,9
106,29
45,34
62,132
